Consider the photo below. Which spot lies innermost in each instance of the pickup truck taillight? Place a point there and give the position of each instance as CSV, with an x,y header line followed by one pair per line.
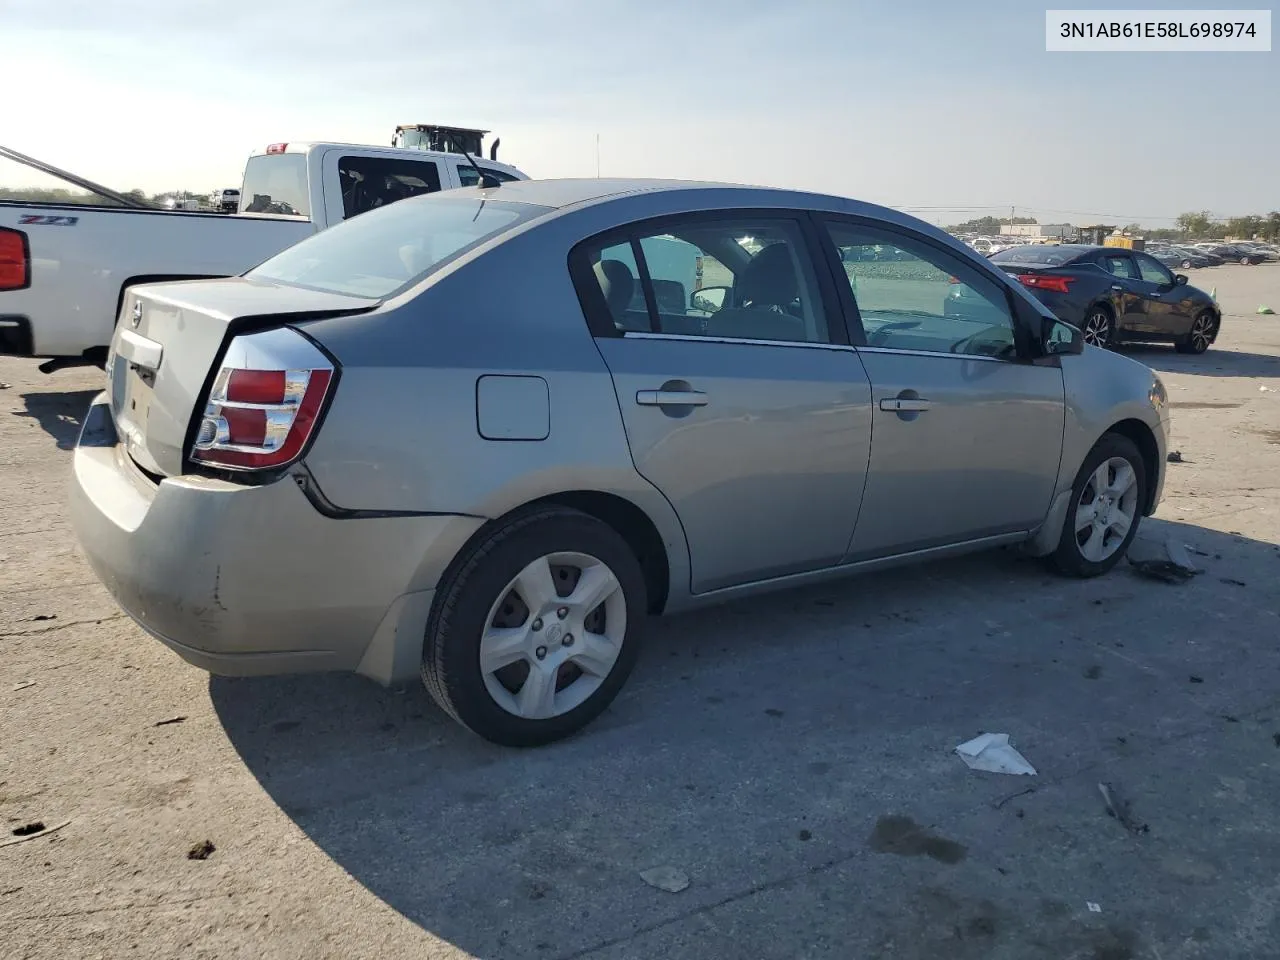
x,y
15,260
265,402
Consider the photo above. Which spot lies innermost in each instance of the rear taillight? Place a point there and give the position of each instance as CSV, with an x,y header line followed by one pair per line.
x,y
265,402
15,260
1040,282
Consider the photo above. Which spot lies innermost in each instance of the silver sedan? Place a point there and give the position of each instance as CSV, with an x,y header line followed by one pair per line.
x,y
483,435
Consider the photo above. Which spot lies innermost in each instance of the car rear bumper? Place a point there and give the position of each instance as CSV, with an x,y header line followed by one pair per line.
x,y
249,580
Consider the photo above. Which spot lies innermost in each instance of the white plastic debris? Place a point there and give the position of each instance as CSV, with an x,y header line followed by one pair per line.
x,y
993,753
665,878
1093,907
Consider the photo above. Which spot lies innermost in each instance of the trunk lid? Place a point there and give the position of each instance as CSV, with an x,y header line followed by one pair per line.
x,y
168,338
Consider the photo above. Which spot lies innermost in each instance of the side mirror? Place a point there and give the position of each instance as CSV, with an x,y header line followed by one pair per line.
x,y
709,299
1179,279
1061,339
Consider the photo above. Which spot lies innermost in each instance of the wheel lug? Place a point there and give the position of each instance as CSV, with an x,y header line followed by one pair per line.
x,y
568,640
537,625
541,653
562,612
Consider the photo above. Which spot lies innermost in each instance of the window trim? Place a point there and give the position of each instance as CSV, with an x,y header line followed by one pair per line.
x,y
1024,337
596,310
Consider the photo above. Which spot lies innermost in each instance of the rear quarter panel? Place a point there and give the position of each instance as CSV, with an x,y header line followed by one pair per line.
x,y
82,256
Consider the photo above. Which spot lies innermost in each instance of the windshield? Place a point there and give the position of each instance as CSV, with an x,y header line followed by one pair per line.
x,y
380,252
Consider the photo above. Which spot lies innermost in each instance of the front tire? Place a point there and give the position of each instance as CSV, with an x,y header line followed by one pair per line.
x,y
536,628
1107,499
1099,327
1200,335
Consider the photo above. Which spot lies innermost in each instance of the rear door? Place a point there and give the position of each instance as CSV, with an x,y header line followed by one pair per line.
x,y
967,432
1126,287
741,399
1165,313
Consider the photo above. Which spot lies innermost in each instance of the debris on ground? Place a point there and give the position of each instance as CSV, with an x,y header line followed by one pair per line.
x,y
165,723
5,386
32,831
1120,809
1233,581
992,753
23,684
1175,457
1164,560
665,878
1093,907
201,851
1013,796
1263,308
39,617
1194,679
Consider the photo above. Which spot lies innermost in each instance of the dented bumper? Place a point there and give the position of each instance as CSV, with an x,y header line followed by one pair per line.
x,y
246,580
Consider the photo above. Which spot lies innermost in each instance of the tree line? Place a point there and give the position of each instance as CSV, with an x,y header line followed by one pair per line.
x,y
57,195
1196,225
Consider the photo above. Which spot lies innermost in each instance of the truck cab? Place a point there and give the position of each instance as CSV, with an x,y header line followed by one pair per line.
x,y
330,182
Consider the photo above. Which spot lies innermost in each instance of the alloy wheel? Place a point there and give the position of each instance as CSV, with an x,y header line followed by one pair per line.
x,y
1097,328
1202,333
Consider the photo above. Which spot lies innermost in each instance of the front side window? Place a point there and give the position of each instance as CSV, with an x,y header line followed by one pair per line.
x,y
386,249
1153,271
372,182
741,279
913,296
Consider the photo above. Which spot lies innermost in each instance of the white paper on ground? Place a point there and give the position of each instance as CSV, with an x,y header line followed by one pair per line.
x,y
992,752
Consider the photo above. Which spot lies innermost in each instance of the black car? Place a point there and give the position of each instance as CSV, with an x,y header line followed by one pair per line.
x,y
1115,295
1231,252
1174,258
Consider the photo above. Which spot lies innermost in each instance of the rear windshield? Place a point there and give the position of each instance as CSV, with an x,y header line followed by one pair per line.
x,y
276,183
1044,254
379,252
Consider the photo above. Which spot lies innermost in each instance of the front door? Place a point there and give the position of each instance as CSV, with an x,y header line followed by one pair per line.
x,y
1166,314
739,404
967,435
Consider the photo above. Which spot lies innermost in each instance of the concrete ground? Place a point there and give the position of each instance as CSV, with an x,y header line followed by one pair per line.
x,y
791,755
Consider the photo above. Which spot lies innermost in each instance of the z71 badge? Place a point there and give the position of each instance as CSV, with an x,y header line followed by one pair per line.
x,y
47,221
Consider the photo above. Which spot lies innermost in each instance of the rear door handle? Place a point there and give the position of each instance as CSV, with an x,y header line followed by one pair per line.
x,y
902,405
1116,286
671,398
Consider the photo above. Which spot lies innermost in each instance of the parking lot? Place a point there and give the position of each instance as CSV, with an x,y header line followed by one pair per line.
x,y
791,755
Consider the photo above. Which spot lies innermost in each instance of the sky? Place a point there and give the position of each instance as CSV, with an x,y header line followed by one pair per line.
x,y
947,108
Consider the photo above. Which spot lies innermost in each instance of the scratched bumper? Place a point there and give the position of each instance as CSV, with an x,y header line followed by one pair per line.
x,y
244,580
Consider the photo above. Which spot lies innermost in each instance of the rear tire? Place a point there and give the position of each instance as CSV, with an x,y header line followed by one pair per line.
x,y
1186,264
1099,327
489,635
1109,502
1200,335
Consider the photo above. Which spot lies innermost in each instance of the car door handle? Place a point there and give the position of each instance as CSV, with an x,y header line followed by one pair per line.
x,y
671,398
905,405
1116,286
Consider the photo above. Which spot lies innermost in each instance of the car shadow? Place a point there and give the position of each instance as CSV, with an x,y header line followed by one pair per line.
x,y
1216,362
59,414
756,745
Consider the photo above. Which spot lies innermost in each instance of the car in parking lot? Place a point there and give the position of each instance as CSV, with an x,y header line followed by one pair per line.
x,y
445,437
1239,254
1116,295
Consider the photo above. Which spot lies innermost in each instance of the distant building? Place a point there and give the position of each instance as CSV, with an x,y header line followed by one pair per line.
x,y
1058,230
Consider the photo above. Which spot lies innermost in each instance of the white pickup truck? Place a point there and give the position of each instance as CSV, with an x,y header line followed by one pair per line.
x,y
64,268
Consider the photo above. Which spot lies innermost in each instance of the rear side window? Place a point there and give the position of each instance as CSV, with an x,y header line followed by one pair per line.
x,y
276,183
372,182
1120,266
386,250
